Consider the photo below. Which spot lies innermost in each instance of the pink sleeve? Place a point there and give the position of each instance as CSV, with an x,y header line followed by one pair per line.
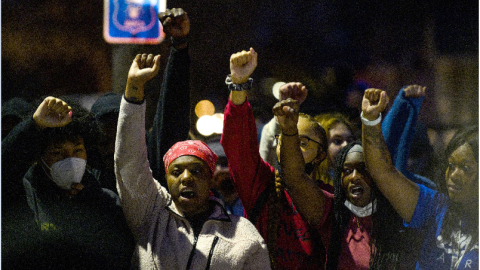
x,y
239,140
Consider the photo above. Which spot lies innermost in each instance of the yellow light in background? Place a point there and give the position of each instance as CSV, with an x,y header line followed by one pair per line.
x,y
204,107
205,125
217,123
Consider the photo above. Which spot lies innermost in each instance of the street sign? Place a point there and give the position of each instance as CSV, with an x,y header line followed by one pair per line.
x,y
133,21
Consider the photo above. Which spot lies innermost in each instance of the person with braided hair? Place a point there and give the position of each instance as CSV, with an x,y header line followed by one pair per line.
x,y
358,225
348,214
366,232
284,212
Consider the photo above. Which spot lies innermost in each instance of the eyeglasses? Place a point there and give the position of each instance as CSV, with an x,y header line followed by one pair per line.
x,y
304,140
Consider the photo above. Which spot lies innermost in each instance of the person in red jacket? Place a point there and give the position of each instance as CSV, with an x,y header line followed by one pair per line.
x,y
286,214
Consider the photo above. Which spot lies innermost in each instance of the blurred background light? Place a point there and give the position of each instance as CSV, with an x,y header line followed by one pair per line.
x,y
209,124
205,125
204,107
276,89
217,120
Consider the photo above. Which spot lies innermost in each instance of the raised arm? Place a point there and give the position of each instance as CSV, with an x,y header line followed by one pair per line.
x,y
401,192
136,186
249,172
172,118
398,129
242,65
24,143
268,146
306,195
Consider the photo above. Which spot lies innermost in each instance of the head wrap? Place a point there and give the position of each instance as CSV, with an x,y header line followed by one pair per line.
x,y
191,148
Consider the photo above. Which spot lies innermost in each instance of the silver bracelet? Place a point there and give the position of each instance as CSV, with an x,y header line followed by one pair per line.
x,y
367,122
238,87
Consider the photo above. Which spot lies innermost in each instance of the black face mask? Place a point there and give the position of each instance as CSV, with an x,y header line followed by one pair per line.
x,y
309,167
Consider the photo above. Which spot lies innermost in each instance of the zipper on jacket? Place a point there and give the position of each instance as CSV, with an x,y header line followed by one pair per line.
x,y
215,240
190,258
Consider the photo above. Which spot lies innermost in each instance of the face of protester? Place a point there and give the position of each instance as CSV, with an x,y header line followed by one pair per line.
x,y
462,176
356,182
310,143
338,137
188,180
67,149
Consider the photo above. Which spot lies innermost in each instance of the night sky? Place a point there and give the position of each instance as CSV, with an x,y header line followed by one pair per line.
x,y
56,47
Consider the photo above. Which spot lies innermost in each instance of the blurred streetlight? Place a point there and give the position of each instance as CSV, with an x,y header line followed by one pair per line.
x,y
204,107
276,89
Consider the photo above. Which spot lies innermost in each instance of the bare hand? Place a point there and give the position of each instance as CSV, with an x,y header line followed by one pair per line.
x,y
414,91
242,65
143,68
374,102
286,113
175,22
293,90
52,112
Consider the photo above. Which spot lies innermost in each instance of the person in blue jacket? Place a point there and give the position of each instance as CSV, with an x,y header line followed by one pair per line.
x,y
449,221
398,129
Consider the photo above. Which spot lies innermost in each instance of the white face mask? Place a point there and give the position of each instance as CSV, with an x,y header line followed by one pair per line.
x,y
359,211
67,171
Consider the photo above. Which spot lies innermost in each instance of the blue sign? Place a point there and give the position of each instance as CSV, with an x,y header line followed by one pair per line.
x,y
133,21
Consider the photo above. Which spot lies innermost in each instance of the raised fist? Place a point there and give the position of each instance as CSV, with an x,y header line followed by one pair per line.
x,y
286,113
414,91
293,90
175,22
242,65
52,112
374,102
144,67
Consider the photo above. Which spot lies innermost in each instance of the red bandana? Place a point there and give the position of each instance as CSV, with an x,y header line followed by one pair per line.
x,y
191,148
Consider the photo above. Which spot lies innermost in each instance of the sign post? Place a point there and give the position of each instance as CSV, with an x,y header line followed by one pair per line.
x,y
133,21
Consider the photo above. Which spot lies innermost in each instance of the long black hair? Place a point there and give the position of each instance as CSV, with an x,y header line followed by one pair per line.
x,y
466,135
387,239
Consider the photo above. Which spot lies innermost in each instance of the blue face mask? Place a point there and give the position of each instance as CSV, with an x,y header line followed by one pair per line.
x,y
67,171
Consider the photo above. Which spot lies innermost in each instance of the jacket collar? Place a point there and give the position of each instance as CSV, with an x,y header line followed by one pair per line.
x,y
219,212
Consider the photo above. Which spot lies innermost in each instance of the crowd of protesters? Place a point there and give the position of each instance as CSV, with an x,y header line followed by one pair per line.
x,y
95,189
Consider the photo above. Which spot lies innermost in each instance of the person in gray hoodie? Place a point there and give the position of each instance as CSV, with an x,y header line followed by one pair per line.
x,y
183,227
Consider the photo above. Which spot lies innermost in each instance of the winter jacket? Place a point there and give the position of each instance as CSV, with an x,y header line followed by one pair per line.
x,y
87,231
165,238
